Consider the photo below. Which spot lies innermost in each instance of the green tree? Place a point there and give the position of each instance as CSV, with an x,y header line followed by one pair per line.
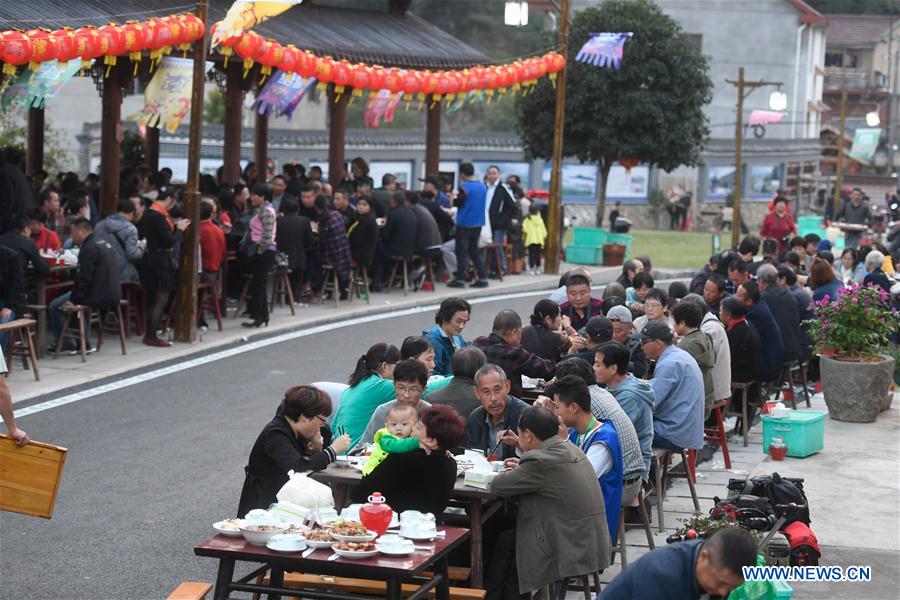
x,y
132,150
650,109
214,108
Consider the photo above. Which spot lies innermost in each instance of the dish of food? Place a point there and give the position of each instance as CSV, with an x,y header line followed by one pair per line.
x,y
355,549
259,534
349,528
319,538
229,527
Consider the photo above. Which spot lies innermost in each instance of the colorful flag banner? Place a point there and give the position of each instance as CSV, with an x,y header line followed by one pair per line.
x,y
245,14
765,117
383,105
32,88
167,98
865,142
604,49
281,94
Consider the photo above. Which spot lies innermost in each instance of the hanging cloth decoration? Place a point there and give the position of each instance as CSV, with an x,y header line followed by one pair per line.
x,y
246,14
604,49
765,117
281,94
32,88
167,98
383,105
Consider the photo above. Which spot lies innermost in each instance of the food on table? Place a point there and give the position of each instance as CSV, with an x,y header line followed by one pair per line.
x,y
263,528
298,529
319,535
349,528
229,525
354,546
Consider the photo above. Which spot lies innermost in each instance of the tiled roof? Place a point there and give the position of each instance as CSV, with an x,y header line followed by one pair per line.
x,y
856,31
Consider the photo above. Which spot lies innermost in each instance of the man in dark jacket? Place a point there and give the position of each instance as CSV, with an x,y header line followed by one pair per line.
x,y
759,314
96,281
503,347
784,309
501,208
295,238
12,289
428,235
443,220
398,238
492,427
460,394
629,269
19,239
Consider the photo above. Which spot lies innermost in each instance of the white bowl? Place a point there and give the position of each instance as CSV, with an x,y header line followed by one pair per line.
x,y
418,534
319,544
219,527
402,548
355,555
286,542
355,538
259,538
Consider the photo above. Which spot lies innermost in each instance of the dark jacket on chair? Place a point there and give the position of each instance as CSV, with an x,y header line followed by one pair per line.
x,y
97,278
399,234
784,309
428,235
770,336
12,280
746,352
295,238
363,237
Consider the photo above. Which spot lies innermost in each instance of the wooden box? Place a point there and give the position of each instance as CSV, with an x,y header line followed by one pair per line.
x,y
30,476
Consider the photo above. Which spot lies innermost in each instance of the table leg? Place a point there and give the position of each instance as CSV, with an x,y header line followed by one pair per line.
x,y
443,588
223,579
340,496
393,590
276,580
476,575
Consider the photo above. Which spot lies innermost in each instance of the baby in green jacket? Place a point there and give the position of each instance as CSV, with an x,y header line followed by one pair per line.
x,y
394,436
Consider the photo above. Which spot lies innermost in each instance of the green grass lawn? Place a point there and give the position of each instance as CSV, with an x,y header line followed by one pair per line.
x,y
668,249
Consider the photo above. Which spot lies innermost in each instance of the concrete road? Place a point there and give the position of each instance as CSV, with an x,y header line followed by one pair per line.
x,y
152,466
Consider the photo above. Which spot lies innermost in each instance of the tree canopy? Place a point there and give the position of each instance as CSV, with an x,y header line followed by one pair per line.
x,y
650,109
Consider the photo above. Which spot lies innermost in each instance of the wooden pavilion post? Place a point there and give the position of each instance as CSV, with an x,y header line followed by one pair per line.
x,y
110,128
234,107
261,146
188,264
151,148
34,159
337,134
433,138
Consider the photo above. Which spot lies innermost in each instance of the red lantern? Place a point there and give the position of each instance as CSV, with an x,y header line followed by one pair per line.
x,y
555,63
360,79
247,47
161,38
115,44
505,78
269,54
376,79
179,31
66,46
480,73
194,27
429,83
290,59
308,64
393,81
43,48
629,163
343,76
454,84
411,83
137,38
15,50
325,72
541,66
84,39
470,81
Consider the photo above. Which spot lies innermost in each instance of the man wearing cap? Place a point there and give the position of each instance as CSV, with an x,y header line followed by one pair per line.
x,y
433,184
678,387
503,347
620,317
598,330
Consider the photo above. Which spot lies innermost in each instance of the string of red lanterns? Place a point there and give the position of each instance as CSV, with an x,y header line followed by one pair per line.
x,y
158,35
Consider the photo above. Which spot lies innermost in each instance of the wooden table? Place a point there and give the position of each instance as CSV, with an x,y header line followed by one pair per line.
x,y
480,506
392,570
40,288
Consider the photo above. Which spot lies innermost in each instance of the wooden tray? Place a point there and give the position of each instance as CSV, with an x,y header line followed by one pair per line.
x,y
30,476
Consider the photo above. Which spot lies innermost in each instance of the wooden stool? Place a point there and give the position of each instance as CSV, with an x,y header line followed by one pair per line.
x,y
116,324
80,331
359,283
585,585
663,459
136,310
428,263
21,343
332,283
492,251
398,263
38,312
786,382
622,528
208,293
743,389
245,291
282,291
717,433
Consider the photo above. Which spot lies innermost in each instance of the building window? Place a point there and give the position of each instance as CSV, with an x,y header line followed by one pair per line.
x,y
834,59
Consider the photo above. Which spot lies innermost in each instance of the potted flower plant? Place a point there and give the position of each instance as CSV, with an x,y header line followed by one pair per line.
x,y
848,332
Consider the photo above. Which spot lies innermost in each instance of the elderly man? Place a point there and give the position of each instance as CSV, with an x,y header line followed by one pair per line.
x,y
504,347
687,570
279,192
759,314
492,426
855,212
580,306
629,269
460,394
678,388
875,276
698,281
122,235
783,306
737,272
410,379
621,319
561,526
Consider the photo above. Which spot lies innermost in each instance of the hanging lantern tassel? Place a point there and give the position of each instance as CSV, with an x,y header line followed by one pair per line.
x,y
223,50
338,92
264,73
435,99
110,62
248,64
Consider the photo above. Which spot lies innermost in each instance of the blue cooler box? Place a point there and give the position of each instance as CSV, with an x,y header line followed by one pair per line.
x,y
803,432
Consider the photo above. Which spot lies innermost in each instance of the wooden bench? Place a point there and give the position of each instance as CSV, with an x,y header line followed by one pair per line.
x,y
366,586
190,590
21,343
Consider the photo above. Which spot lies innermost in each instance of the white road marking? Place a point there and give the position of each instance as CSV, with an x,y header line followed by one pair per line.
x,y
286,337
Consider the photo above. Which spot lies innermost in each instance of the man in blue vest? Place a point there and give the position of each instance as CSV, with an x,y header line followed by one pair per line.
x,y
597,439
470,218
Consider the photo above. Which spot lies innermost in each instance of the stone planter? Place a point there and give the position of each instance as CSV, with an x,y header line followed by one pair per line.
x,y
857,391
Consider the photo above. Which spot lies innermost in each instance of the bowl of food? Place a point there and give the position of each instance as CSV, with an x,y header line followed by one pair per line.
x,y
351,531
286,542
355,550
229,527
319,539
259,533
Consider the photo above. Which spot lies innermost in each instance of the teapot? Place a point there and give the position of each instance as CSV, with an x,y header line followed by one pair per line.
x,y
376,514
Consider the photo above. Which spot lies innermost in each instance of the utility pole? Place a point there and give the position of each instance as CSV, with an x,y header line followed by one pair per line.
x,y
187,272
554,210
839,166
749,86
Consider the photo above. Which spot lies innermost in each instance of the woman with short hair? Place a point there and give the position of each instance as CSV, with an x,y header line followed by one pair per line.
x,y
446,336
823,280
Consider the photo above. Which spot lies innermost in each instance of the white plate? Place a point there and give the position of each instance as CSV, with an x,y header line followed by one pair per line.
x,y
355,555
226,532
402,550
355,538
319,545
286,543
418,536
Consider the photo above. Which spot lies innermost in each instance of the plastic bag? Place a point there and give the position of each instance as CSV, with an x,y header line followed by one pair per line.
x,y
305,492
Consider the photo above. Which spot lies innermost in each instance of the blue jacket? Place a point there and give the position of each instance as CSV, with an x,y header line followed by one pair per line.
x,y
443,349
471,213
636,398
611,482
678,387
772,344
663,574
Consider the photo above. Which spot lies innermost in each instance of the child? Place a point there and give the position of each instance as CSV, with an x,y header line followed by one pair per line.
x,y
534,233
43,237
394,436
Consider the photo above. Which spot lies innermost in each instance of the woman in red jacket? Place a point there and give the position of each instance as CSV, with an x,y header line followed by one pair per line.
x,y
779,225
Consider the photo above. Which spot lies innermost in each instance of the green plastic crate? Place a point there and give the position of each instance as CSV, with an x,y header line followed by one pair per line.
x,y
589,236
584,255
803,431
761,590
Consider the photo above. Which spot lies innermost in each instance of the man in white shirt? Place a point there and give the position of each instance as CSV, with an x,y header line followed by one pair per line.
x,y
500,205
